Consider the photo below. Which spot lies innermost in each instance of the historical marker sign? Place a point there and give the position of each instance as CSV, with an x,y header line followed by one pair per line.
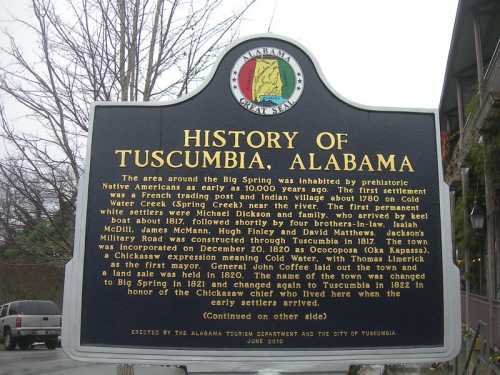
x,y
262,220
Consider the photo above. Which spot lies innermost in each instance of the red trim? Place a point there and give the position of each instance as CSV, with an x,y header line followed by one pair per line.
x,y
245,78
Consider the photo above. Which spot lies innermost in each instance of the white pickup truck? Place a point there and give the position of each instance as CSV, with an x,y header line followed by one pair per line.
x,y
24,322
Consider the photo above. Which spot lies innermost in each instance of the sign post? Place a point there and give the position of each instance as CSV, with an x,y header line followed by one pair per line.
x,y
263,223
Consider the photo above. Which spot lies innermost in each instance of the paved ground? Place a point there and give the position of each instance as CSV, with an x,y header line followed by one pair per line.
x,y
41,361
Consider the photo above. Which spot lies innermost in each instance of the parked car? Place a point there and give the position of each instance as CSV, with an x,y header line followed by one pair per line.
x,y
24,322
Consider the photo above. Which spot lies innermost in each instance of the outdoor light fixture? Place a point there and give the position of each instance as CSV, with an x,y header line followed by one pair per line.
x,y
477,217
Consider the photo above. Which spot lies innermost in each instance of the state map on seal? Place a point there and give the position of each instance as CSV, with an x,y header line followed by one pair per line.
x,y
267,81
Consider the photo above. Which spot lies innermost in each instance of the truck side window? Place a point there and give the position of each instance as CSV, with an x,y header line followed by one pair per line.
x,y
13,309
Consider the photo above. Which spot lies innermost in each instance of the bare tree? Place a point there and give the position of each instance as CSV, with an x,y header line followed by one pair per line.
x,y
95,50
37,203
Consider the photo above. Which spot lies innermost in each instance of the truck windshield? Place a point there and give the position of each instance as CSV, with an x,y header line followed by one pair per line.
x,y
37,308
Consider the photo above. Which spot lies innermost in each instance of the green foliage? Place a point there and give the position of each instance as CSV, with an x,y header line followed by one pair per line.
x,y
492,154
31,282
42,242
495,359
458,224
472,106
451,143
11,252
475,160
465,238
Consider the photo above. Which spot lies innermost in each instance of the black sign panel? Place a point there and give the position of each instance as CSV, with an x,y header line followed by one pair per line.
x,y
262,213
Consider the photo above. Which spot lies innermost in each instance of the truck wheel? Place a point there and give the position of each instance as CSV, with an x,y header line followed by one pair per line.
x,y
51,343
8,341
24,344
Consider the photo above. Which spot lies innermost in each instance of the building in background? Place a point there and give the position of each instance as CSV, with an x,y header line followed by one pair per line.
x,y
470,123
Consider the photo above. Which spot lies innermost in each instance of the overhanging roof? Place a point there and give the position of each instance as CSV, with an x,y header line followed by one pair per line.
x,y
462,57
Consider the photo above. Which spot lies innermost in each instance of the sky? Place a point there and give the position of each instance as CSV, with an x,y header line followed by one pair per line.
x,y
389,53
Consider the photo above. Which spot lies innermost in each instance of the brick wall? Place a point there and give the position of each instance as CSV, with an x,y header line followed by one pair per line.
x,y
18,282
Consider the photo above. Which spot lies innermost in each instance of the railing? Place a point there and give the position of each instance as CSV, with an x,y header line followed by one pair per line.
x,y
456,153
471,348
490,83
472,108
491,77
482,358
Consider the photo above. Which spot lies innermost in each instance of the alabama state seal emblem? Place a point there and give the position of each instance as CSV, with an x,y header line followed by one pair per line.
x,y
267,81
